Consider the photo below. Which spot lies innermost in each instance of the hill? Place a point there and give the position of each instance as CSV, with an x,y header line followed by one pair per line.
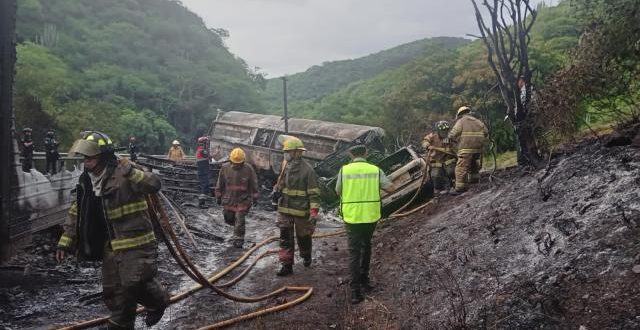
x,y
322,80
446,76
150,68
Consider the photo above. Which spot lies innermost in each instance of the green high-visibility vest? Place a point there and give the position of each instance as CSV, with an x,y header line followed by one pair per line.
x,y
360,201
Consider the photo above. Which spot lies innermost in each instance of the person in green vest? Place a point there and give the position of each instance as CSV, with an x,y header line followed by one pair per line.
x,y
358,185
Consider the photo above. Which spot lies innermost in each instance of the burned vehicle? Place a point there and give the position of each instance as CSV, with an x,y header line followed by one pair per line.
x,y
408,172
327,143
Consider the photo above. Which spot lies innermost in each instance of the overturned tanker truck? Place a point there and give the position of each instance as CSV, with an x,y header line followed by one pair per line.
x,y
327,145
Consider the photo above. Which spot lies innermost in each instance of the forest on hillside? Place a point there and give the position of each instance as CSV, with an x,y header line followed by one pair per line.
x,y
148,68
432,86
151,68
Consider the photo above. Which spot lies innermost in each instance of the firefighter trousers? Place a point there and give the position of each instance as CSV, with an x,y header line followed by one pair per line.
x,y
129,278
467,170
360,235
237,220
442,176
303,229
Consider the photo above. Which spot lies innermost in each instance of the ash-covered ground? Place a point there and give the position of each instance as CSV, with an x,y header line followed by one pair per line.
x,y
555,248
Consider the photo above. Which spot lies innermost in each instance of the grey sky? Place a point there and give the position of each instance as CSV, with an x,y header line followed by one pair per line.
x,y
288,36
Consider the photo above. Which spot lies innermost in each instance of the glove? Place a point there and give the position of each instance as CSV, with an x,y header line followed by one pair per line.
x,y
219,201
275,196
126,167
314,213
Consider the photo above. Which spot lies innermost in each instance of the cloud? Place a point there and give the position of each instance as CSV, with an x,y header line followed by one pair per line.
x,y
288,36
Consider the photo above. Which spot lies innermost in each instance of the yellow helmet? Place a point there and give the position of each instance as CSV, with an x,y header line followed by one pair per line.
x,y
91,144
237,156
291,143
463,109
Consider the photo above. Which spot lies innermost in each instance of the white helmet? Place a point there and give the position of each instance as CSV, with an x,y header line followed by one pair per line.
x,y
175,142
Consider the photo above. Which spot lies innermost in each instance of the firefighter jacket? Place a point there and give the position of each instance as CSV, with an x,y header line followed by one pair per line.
x,y
470,134
360,192
175,153
299,189
441,152
237,187
118,217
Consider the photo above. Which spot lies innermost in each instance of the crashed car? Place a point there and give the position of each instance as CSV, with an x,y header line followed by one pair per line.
x,y
405,168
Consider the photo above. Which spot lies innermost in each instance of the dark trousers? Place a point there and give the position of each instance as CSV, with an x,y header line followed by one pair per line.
x,y
237,220
129,279
360,252
203,176
27,164
52,163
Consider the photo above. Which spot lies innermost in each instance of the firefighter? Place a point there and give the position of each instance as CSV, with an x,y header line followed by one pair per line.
x,y
175,152
298,205
202,163
236,191
52,155
441,157
26,143
133,149
109,222
470,135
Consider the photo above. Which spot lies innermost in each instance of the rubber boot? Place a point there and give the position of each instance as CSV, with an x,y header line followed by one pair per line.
x,y
153,316
238,243
365,284
306,262
285,270
356,296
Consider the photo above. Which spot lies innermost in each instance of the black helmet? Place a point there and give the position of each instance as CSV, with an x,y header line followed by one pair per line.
x,y
50,133
91,144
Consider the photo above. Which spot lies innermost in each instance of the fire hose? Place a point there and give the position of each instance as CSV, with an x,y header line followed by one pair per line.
x,y
160,218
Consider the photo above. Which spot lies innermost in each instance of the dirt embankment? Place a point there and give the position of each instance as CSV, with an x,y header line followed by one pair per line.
x,y
552,249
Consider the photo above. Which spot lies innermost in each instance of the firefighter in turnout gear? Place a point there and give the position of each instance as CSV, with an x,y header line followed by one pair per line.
x,y
358,185
441,156
109,222
236,191
470,135
298,205
175,152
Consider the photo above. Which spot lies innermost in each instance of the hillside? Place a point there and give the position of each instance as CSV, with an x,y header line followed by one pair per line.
x,y
145,67
446,76
553,249
329,77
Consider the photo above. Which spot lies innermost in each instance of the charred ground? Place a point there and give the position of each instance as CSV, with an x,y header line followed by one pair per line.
x,y
552,249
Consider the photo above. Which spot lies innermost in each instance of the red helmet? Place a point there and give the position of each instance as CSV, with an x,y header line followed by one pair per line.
x,y
203,139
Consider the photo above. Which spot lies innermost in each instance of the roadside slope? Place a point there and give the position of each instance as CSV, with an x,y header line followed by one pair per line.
x,y
554,248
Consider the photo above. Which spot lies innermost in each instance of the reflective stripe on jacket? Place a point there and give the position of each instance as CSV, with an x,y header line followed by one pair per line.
x,y
360,197
237,187
299,189
470,134
124,212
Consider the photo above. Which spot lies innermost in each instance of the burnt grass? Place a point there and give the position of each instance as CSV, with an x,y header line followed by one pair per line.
x,y
547,249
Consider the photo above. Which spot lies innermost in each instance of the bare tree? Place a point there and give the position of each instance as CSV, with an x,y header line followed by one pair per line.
x,y
506,36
